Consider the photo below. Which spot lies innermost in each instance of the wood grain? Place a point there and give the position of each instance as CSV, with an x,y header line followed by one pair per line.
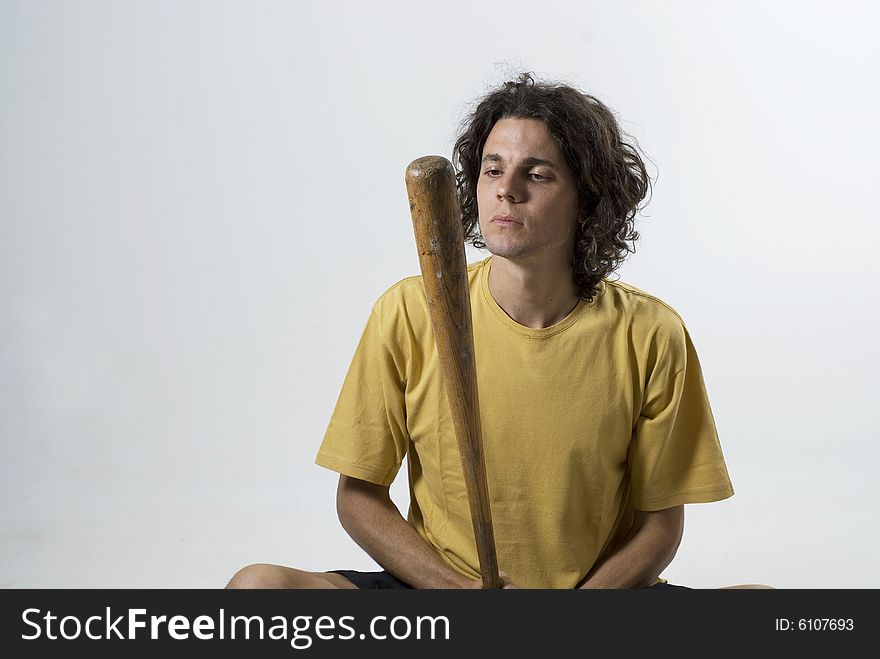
x,y
433,203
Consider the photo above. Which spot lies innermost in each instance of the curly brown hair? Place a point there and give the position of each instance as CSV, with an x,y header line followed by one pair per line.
x,y
611,177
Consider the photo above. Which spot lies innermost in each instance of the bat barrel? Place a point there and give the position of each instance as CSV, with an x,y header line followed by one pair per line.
x,y
433,203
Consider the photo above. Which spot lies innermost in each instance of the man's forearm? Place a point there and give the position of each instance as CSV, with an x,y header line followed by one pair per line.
x,y
375,523
647,550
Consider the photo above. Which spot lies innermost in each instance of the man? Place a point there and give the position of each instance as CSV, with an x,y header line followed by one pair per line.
x,y
596,424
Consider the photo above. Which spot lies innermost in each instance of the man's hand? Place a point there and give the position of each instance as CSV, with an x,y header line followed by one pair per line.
x,y
649,547
506,583
374,522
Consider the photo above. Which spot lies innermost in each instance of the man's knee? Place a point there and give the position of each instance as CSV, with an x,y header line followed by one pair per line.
x,y
259,575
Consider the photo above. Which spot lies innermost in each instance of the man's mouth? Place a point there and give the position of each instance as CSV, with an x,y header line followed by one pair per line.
x,y
505,219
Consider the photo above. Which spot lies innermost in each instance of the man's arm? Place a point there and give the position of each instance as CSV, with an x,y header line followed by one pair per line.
x,y
647,549
370,517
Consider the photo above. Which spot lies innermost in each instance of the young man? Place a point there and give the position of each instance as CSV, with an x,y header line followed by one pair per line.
x,y
596,424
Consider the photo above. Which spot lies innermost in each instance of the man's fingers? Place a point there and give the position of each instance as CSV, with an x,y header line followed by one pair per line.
x,y
506,582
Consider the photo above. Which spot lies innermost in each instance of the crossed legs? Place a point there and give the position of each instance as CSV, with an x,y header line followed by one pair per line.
x,y
264,575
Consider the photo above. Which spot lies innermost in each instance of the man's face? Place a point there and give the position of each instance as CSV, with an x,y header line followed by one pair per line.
x,y
526,193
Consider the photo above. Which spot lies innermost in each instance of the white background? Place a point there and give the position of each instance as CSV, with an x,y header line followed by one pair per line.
x,y
200,201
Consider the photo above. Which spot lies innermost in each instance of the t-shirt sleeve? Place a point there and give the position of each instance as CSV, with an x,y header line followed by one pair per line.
x,y
675,456
367,437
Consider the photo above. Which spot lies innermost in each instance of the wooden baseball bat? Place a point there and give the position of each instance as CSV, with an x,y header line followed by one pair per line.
x,y
433,202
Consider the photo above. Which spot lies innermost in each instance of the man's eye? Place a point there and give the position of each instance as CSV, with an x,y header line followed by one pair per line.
x,y
492,172
537,177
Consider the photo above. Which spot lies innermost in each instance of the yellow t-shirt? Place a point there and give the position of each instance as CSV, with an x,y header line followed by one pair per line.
x,y
581,422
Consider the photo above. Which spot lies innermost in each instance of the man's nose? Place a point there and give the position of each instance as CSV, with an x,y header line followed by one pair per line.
x,y
508,189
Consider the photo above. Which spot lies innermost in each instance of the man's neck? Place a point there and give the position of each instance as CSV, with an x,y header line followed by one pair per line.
x,y
533,294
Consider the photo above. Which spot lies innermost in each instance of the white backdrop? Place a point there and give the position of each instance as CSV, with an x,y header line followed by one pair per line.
x,y
200,201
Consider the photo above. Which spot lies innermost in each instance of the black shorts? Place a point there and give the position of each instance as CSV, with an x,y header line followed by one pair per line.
x,y
383,579
667,586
